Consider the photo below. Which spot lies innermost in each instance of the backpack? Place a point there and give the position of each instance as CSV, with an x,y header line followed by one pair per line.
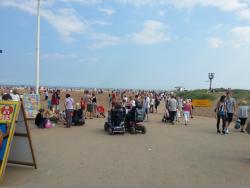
x,y
237,124
221,110
139,115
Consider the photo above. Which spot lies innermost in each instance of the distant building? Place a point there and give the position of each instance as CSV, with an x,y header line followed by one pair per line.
x,y
179,88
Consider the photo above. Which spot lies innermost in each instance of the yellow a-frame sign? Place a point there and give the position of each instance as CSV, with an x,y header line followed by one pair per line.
x,y
15,140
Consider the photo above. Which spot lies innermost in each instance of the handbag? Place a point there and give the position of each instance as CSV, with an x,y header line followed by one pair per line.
x,y
237,124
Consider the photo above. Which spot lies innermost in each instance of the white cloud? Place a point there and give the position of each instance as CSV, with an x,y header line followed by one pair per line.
x,y
65,21
153,32
102,40
240,36
89,60
58,56
236,37
107,11
84,1
161,13
215,42
217,28
225,5
239,7
244,14
99,22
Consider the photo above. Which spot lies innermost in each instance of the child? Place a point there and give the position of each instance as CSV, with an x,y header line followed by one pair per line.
x,y
40,119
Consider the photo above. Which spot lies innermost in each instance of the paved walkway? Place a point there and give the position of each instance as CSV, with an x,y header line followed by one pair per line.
x,y
166,156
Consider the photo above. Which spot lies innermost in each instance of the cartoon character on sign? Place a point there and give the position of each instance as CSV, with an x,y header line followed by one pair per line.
x,y
5,115
6,112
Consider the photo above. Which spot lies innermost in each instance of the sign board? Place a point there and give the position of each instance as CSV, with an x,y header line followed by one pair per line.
x,y
31,105
15,141
201,103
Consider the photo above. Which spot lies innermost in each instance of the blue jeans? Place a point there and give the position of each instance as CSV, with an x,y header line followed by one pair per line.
x,y
69,117
219,117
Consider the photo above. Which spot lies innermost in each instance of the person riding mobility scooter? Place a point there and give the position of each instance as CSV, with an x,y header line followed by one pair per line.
x,y
134,120
116,118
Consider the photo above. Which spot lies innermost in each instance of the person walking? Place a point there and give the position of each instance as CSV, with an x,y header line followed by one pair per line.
x,y
243,113
221,111
231,109
152,103
179,106
15,96
146,105
46,95
94,103
69,107
157,102
187,110
172,107
55,100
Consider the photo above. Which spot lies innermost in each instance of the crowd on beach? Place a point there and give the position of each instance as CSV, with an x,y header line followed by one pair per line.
x,y
176,108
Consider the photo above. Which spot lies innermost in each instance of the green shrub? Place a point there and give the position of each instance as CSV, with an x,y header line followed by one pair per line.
x,y
197,94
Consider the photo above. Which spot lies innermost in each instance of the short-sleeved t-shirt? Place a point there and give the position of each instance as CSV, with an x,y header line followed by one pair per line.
x,y
243,111
172,104
69,103
230,105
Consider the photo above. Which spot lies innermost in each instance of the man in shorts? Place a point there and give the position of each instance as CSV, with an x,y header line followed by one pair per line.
x,y
231,109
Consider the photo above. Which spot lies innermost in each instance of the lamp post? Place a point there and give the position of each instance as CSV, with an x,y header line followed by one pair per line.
x,y
211,77
38,48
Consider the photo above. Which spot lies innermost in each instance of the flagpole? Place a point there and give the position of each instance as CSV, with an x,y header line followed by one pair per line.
x,y
38,48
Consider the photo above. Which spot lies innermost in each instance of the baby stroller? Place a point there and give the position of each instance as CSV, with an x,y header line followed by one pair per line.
x,y
115,122
100,112
166,116
78,117
134,121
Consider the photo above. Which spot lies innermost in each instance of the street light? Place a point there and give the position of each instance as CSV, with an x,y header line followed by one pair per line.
x,y
211,77
38,48
1,51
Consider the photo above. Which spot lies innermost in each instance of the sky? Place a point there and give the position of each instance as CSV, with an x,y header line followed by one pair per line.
x,y
143,44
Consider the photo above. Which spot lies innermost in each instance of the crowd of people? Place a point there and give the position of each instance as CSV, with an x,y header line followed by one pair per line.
x,y
226,110
176,108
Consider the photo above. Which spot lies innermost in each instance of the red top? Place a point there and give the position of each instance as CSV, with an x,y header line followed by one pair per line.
x,y
187,107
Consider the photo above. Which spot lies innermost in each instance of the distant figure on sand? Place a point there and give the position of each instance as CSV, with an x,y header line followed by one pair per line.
x,y
187,110
69,107
46,95
172,107
55,100
146,105
14,95
157,102
113,99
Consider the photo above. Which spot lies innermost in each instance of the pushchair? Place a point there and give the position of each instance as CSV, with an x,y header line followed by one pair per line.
x,y
115,122
166,117
100,112
78,117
